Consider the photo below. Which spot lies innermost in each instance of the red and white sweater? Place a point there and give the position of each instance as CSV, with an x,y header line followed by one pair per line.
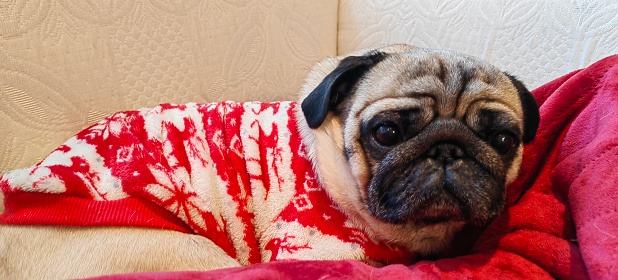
x,y
236,173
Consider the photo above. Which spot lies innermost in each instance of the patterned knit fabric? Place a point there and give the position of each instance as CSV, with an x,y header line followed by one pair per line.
x,y
236,173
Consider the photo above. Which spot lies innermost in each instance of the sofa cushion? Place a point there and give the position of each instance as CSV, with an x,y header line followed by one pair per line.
x,y
66,64
534,40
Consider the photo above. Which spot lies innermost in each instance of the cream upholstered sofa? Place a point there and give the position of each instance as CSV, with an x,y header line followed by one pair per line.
x,y
66,64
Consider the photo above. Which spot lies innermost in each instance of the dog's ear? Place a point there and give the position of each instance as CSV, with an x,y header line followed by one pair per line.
x,y
530,107
336,86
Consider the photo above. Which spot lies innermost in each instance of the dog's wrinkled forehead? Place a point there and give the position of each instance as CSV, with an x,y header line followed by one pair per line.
x,y
451,80
402,77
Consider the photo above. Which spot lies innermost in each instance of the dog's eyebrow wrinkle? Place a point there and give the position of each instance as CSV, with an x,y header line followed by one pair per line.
x,y
472,103
465,75
486,100
400,100
441,70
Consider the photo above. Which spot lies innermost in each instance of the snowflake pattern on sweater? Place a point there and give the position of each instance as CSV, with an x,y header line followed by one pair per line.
x,y
236,173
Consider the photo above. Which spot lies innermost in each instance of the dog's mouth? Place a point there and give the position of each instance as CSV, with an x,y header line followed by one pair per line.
x,y
442,207
438,214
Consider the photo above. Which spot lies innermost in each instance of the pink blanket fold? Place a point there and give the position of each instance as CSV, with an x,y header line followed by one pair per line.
x,y
563,216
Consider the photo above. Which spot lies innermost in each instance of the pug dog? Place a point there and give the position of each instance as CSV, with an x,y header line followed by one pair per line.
x,y
416,142
411,144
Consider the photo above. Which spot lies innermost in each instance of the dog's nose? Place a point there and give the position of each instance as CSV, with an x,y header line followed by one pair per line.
x,y
446,152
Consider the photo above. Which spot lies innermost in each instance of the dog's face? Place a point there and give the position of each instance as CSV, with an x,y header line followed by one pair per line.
x,y
415,143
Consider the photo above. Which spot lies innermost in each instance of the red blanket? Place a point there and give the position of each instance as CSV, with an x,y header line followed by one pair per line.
x,y
563,216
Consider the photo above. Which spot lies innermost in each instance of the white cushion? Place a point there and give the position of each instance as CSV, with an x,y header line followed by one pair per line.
x,y
534,40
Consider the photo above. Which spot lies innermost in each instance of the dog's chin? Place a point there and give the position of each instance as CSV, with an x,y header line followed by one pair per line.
x,y
433,223
442,208
427,234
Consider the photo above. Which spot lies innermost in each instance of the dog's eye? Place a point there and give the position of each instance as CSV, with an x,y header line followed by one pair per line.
x,y
387,134
503,142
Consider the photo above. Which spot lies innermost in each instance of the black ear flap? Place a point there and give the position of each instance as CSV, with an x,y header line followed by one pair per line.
x,y
530,107
336,86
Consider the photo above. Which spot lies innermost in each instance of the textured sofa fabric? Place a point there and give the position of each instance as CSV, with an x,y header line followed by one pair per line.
x,y
537,41
67,64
